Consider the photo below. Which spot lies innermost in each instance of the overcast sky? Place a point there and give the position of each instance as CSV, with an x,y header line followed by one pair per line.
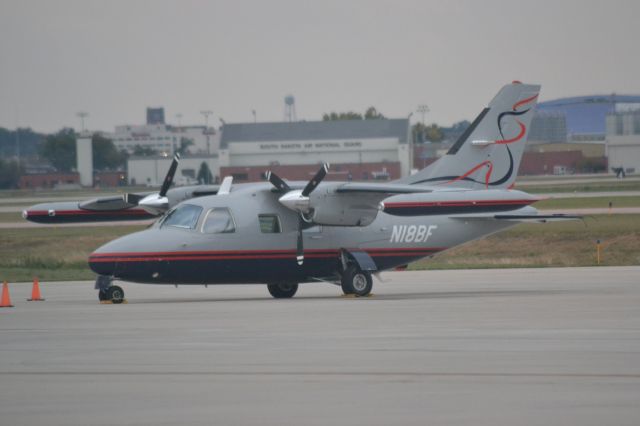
x,y
113,59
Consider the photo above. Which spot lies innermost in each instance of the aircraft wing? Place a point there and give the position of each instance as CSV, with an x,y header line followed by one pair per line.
x,y
380,188
95,210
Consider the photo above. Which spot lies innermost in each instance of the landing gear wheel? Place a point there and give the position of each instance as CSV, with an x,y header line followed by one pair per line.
x,y
282,290
102,295
355,281
115,294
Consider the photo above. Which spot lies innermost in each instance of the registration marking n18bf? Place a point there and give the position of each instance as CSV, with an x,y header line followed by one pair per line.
x,y
412,233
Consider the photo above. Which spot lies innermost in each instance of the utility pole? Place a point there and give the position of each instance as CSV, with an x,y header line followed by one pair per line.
x,y
82,115
206,114
18,145
423,110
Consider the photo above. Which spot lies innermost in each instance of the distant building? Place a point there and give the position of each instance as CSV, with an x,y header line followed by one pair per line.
x,y
588,149
165,139
548,127
49,180
577,124
550,163
585,116
356,149
151,170
109,179
155,116
623,141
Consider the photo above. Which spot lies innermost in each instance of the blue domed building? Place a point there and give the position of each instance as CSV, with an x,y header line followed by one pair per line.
x,y
584,117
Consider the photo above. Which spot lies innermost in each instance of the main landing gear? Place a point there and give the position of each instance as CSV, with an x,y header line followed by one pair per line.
x,y
284,290
356,281
108,291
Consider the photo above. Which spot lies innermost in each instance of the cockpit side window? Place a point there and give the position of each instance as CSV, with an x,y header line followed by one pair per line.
x,y
184,216
269,224
219,221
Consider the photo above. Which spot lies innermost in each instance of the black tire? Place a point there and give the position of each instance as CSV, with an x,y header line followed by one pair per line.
x,y
102,295
355,281
115,294
282,290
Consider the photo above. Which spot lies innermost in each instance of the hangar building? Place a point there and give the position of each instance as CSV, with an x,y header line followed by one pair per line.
x,y
623,141
357,149
584,116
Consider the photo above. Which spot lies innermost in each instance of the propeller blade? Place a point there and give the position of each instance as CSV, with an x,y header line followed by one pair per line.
x,y
277,182
313,183
300,247
168,180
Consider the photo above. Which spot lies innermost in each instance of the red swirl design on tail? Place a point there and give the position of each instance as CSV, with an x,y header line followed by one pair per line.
x,y
475,169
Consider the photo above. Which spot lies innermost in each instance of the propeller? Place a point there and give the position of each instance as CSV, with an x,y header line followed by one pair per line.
x,y
313,183
168,179
298,200
156,203
278,182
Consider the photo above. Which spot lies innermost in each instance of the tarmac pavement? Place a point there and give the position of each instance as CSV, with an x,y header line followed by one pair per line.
x,y
482,347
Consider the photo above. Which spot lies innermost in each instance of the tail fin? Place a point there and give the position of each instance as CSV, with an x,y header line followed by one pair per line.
x,y
488,153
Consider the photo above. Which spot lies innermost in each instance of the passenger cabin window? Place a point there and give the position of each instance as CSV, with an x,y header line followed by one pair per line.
x,y
269,224
184,216
219,221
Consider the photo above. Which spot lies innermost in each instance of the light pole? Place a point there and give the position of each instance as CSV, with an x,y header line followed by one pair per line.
x,y
423,110
206,114
18,145
253,111
82,115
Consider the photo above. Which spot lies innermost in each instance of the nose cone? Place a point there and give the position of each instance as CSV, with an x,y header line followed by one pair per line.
x,y
103,261
107,258
294,200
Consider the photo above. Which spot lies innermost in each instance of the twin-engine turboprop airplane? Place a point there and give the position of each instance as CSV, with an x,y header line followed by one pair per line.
x,y
284,233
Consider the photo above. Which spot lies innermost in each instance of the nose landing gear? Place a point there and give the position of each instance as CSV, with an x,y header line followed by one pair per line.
x,y
284,290
107,292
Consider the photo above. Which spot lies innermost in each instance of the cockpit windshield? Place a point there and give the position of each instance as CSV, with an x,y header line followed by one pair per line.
x,y
184,216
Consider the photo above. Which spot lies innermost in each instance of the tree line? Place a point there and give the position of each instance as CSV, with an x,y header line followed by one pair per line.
x,y
420,132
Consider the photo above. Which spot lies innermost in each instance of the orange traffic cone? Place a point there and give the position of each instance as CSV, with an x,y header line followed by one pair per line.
x,y
35,291
5,302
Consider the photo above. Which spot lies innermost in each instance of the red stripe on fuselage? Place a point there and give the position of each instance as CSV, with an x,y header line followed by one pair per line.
x,y
249,255
470,203
136,212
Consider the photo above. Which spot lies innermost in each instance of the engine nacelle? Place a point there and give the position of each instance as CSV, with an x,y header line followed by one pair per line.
x,y
336,209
